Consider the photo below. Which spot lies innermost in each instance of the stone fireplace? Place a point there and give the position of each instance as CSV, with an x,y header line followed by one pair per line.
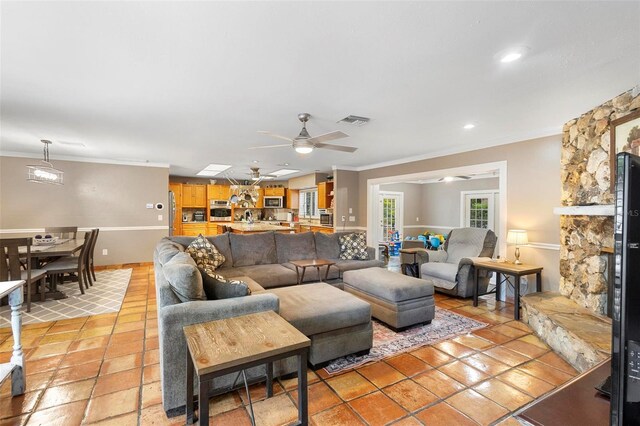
x,y
586,181
573,321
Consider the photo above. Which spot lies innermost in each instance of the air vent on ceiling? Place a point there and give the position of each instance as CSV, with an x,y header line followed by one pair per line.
x,y
355,120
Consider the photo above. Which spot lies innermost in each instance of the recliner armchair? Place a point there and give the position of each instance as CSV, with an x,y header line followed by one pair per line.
x,y
451,270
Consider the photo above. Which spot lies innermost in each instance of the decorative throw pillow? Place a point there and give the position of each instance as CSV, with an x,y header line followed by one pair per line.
x,y
353,247
218,287
205,254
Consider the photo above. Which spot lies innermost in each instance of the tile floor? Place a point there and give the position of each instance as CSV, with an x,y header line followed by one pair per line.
x,y
104,370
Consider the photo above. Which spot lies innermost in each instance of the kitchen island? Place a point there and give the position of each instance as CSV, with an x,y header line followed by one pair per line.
x,y
247,228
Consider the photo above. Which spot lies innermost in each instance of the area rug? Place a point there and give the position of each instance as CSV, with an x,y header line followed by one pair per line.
x,y
386,342
104,296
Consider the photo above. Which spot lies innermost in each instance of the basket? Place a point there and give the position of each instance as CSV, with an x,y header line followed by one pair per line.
x,y
44,241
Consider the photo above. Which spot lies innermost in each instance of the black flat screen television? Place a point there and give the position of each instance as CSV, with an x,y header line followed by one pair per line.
x,y
625,357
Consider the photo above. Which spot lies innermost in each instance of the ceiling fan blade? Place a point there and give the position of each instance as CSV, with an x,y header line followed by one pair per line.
x,y
335,147
464,177
328,137
270,146
273,135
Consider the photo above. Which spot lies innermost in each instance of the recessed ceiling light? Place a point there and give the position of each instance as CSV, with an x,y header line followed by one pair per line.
x,y
469,126
512,54
255,161
283,172
213,169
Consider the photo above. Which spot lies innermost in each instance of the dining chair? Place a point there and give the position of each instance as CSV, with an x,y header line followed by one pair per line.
x,y
71,265
10,266
88,278
62,231
91,266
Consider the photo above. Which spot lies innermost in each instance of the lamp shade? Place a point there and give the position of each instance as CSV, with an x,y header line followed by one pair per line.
x,y
518,237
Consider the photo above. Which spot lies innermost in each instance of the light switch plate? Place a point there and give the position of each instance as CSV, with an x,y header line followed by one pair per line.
x,y
149,205
159,217
352,218
105,252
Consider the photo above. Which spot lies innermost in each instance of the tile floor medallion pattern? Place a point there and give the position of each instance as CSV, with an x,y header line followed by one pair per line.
x,y
387,342
104,296
104,370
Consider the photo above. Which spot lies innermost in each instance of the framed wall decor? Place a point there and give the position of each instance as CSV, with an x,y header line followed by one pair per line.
x,y
625,137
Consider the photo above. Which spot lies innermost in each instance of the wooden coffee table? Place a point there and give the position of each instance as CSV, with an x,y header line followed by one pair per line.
x,y
306,263
230,345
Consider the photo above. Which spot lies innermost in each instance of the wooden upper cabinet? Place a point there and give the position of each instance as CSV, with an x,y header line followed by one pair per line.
x,y
260,202
293,199
194,195
274,192
218,192
176,188
324,195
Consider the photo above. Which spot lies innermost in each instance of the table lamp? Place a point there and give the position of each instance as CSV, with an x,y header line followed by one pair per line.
x,y
518,237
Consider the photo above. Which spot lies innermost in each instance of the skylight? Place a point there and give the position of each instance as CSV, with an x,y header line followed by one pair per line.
x,y
283,172
213,169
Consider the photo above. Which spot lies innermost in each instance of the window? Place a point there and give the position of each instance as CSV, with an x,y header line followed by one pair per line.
x,y
309,204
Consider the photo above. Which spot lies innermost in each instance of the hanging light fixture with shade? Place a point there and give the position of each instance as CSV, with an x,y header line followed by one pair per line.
x,y
45,172
518,237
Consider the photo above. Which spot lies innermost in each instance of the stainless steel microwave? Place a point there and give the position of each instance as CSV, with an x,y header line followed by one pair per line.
x,y
326,219
273,202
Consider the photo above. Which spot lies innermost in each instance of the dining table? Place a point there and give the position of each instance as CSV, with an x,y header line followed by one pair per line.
x,y
59,248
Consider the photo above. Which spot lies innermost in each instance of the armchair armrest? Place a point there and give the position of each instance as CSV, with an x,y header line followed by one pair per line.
x,y
471,260
432,256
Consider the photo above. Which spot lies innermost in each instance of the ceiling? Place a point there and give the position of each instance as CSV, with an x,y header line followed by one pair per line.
x,y
188,84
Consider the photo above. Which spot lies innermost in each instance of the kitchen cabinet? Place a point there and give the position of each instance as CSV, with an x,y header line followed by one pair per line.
x,y
194,195
260,202
192,229
323,229
324,195
176,188
274,192
293,199
218,192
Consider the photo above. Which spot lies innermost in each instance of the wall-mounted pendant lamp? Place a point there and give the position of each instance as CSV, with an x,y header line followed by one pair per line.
x,y
45,172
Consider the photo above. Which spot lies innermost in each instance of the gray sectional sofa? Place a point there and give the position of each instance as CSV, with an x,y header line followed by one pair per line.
x,y
335,327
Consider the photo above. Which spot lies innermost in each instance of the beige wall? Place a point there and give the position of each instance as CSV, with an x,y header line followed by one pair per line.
x,y
441,201
106,196
533,190
346,196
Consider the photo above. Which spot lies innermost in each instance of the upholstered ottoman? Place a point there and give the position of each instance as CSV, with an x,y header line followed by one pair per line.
x,y
396,299
337,323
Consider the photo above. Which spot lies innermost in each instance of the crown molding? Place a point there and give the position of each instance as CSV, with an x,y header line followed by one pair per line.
x,y
84,159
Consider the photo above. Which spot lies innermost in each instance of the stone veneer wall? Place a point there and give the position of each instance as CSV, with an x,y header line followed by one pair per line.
x,y
585,180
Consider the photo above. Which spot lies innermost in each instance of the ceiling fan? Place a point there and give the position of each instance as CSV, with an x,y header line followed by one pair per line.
x,y
304,143
257,177
452,178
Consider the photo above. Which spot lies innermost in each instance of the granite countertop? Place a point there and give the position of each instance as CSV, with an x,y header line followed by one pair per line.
x,y
257,227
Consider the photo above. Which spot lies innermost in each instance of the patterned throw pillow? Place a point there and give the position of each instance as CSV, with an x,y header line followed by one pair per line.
x,y
205,254
218,287
353,247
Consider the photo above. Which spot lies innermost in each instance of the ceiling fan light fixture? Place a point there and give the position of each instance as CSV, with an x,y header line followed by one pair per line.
x,y
304,149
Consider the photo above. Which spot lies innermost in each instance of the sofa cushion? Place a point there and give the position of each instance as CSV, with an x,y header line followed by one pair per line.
x,y
353,247
391,286
253,249
267,276
166,249
218,287
320,308
327,245
184,278
350,265
443,271
205,254
221,242
295,246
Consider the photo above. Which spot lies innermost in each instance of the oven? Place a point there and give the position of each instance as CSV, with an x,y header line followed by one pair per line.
x,y
273,202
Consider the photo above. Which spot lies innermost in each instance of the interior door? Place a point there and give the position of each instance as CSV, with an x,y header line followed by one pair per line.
x,y
390,215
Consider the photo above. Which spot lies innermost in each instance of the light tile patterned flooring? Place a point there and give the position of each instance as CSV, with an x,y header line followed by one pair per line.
x,y
104,370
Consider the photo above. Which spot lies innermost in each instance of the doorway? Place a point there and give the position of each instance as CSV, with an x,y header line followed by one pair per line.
x,y
390,206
